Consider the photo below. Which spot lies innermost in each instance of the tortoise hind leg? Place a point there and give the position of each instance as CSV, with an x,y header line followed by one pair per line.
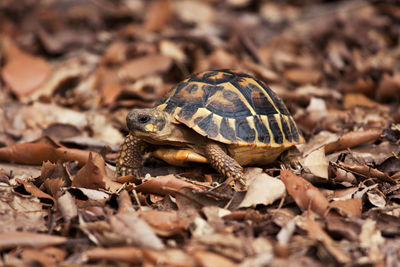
x,y
130,158
223,163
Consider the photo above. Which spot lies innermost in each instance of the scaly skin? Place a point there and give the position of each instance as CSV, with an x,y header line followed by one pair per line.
x,y
223,163
130,158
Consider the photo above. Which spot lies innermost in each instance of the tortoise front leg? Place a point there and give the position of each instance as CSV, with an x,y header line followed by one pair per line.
x,y
223,163
130,159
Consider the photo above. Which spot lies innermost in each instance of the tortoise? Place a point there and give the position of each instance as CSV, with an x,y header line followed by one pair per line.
x,y
224,117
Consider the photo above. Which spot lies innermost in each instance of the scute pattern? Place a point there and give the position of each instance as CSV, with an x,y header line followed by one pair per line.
x,y
233,108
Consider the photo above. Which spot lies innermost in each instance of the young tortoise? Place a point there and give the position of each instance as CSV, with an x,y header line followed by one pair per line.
x,y
224,117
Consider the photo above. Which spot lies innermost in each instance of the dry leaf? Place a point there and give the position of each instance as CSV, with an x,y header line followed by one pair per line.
x,y
135,231
165,185
37,153
316,163
144,66
352,139
32,189
130,255
209,259
23,73
262,188
317,233
26,239
304,193
351,207
157,15
303,76
165,223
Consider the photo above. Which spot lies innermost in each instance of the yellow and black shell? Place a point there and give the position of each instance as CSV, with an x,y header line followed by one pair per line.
x,y
233,108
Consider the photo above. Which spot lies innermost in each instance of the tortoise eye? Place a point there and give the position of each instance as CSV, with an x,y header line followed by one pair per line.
x,y
143,118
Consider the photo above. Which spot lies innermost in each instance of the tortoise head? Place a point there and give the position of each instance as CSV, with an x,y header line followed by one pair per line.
x,y
149,122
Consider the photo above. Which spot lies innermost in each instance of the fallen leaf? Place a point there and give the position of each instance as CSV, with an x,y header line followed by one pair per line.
x,y
352,139
21,213
351,207
165,185
303,76
94,176
351,100
366,171
124,203
23,72
134,231
46,256
37,153
304,193
371,240
172,50
389,87
316,163
185,10
130,255
262,188
89,193
32,189
376,199
317,233
67,207
169,257
109,93
210,259
26,239
165,223
144,66
157,15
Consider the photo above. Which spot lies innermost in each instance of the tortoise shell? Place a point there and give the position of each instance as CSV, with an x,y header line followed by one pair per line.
x,y
233,108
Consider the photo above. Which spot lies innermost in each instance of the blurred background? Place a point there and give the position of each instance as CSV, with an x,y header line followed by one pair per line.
x,y
75,68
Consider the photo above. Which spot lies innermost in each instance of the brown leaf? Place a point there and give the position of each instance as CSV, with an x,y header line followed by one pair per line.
x,y
114,54
210,259
27,239
131,255
135,231
53,186
165,223
303,76
144,66
34,191
157,15
92,174
165,185
46,256
351,207
168,257
37,153
361,85
124,203
351,100
354,138
109,93
389,87
317,233
366,171
304,193
23,72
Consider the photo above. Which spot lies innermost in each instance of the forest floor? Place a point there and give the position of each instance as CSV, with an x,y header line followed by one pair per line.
x,y
71,70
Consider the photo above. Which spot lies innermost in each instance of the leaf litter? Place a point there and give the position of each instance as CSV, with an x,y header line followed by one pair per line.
x,y
72,70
